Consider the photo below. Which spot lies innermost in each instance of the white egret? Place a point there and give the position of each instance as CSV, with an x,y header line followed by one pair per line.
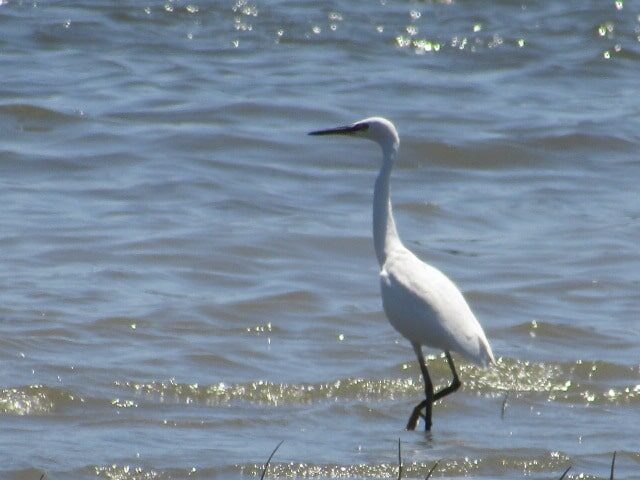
x,y
420,301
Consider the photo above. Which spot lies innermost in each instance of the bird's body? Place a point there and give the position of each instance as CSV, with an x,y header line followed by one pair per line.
x,y
428,309
419,300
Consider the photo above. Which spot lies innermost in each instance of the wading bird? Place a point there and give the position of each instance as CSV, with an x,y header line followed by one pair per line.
x,y
420,301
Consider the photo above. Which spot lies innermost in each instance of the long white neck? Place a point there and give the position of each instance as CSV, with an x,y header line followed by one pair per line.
x,y
385,235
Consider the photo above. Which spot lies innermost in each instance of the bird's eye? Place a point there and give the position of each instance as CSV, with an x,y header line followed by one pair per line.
x,y
361,127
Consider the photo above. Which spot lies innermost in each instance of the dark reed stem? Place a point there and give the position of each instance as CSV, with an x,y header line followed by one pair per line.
x,y
266,465
613,465
504,405
431,471
565,472
399,461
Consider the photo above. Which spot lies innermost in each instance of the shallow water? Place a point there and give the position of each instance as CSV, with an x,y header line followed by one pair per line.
x,y
189,279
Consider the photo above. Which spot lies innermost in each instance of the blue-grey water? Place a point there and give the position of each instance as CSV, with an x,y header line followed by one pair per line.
x,y
187,278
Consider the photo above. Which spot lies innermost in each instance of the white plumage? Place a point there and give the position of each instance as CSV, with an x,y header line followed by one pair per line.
x,y
428,309
419,300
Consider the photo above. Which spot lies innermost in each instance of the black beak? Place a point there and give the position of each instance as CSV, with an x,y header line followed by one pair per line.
x,y
346,130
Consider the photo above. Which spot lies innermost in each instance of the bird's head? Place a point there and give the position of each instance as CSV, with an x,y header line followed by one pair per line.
x,y
378,129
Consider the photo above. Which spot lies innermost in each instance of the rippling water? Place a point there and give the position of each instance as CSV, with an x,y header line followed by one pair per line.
x,y
188,279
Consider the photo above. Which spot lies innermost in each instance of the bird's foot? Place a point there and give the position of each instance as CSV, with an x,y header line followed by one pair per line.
x,y
417,414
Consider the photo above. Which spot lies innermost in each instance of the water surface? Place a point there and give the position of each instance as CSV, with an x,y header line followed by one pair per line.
x,y
188,279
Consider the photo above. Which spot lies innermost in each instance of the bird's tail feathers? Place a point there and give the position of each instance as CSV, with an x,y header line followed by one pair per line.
x,y
486,354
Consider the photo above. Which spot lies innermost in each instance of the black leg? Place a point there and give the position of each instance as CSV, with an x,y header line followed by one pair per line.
x,y
455,384
416,414
427,403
